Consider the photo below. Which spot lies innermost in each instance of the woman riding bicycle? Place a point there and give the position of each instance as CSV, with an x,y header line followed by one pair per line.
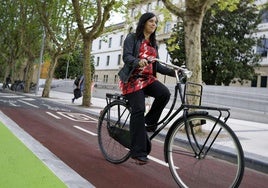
x,y
138,79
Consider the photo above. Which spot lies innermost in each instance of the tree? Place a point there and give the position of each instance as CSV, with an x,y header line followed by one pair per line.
x,y
20,39
226,44
75,68
91,17
30,33
192,14
61,33
228,51
10,37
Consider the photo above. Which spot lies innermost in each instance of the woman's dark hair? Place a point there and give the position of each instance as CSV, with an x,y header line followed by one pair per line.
x,y
140,28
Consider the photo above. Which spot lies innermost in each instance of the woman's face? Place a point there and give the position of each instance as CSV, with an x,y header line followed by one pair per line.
x,y
150,25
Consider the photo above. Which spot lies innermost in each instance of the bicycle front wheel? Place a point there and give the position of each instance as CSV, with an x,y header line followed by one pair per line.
x,y
204,153
113,132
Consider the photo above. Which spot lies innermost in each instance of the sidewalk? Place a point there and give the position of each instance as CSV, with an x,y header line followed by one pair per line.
x,y
252,135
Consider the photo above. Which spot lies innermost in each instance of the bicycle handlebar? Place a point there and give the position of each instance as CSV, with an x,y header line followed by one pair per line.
x,y
185,71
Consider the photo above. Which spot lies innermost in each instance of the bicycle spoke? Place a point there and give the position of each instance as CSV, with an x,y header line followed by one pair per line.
x,y
113,123
213,156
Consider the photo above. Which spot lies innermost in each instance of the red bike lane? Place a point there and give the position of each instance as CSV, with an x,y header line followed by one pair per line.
x,y
72,137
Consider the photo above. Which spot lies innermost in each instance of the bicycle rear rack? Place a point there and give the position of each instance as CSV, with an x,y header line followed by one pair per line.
x,y
114,96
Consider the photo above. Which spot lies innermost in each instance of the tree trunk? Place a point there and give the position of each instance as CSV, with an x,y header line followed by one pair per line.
x,y
29,74
193,22
49,79
87,72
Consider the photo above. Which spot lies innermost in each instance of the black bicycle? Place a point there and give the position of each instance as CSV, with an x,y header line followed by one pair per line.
x,y
200,148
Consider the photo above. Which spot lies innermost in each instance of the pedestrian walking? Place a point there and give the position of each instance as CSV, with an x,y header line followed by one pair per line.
x,y
78,91
7,82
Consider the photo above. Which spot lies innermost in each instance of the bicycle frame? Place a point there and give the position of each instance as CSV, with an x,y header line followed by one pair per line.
x,y
186,107
183,138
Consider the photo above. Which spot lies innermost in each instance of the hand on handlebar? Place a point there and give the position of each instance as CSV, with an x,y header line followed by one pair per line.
x,y
143,62
180,70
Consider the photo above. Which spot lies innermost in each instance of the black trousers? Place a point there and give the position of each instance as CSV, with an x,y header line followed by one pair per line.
x,y
139,137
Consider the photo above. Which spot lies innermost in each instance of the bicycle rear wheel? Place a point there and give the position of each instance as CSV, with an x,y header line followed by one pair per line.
x,y
205,154
113,132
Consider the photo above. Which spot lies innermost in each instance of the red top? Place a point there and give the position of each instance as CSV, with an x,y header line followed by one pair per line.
x,y
141,76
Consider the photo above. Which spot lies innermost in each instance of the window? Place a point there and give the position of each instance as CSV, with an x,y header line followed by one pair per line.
x,y
167,28
264,16
105,78
98,61
149,7
254,81
263,47
263,81
110,42
108,60
115,79
119,59
96,77
121,40
132,12
159,3
99,44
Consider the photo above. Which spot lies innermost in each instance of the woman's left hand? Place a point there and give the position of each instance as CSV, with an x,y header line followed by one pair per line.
x,y
143,63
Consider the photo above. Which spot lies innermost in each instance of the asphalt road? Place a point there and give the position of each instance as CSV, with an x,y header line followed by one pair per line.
x,y
71,135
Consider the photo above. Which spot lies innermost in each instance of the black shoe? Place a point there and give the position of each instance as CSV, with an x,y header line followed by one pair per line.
x,y
141,160
73,100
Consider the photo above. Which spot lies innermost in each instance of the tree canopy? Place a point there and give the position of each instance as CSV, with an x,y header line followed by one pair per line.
x,y
91,22
226,42
67,25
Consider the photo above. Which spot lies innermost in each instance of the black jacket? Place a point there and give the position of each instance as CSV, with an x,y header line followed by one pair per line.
x,y
131,60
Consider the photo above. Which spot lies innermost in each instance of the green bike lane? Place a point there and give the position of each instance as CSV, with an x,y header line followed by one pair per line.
x,y
24,162
20,167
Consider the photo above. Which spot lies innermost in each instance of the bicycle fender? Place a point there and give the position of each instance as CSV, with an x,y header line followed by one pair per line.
x,y
174,125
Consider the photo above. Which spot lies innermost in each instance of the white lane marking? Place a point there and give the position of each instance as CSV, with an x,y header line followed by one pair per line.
x,y
53,115
12,96
158,161
78,117
84,130
150,157
28,104
28,99
13,103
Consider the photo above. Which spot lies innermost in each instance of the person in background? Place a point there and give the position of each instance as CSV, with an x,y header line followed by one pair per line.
x,y
138,79
7,82
79,88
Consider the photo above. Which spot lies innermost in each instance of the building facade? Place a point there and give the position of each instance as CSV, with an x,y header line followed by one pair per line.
x,y
261,80
107,49
107,52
